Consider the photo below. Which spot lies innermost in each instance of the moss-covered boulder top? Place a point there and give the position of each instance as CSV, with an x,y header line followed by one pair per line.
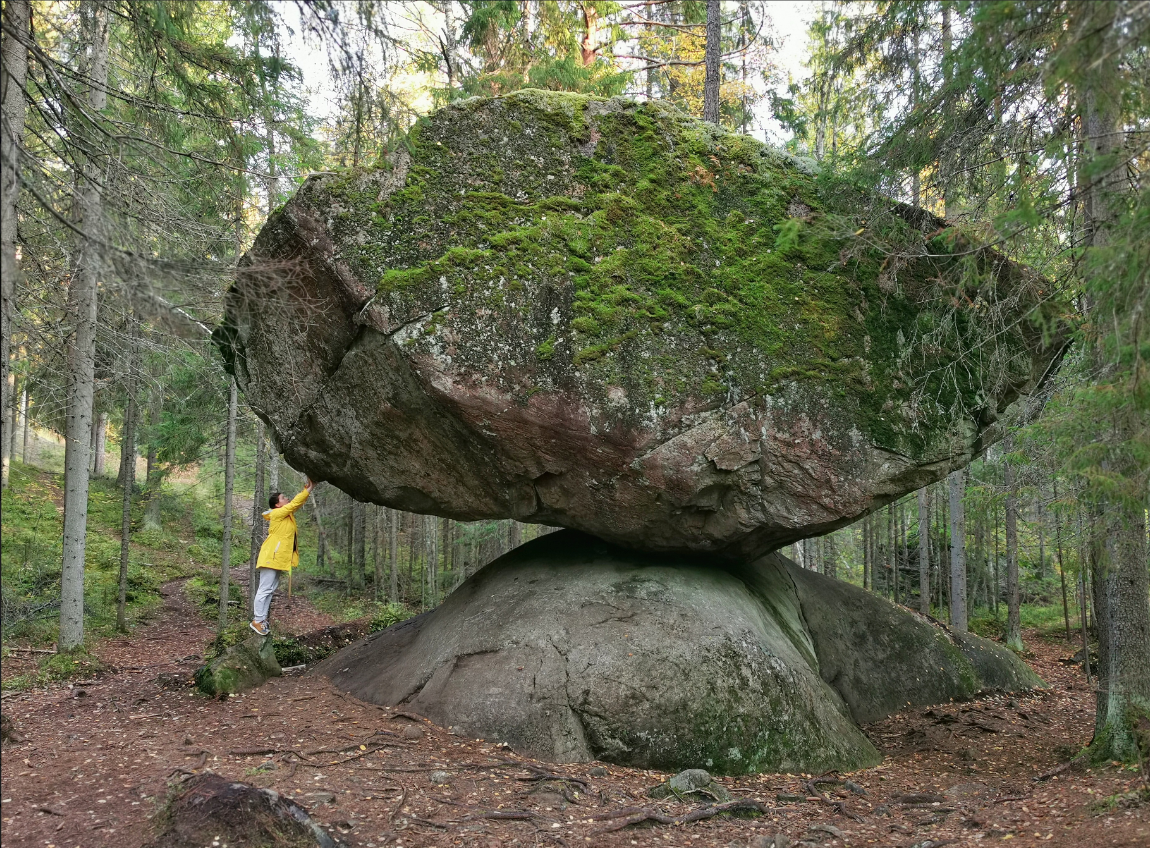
x,y
609,316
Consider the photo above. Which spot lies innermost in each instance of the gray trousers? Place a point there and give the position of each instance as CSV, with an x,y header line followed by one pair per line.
x,y
269,580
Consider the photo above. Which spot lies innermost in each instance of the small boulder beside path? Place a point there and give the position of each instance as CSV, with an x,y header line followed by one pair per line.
x,y
241,667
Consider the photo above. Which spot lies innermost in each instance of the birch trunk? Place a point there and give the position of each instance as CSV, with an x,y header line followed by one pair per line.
x,y
81,315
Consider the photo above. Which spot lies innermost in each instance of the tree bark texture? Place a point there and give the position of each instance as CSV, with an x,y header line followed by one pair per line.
x,y
923,552
393,555
358,543
229,488
259,504
957,483
130,480
1013,599
712,62
101,443
81,315
13,74
26,452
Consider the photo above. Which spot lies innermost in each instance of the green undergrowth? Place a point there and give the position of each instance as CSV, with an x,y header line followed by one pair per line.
x,y
646,250
362,617
1046,619
30,557
77,664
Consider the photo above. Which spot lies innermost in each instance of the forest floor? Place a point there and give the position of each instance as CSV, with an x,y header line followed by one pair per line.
x,y
99,757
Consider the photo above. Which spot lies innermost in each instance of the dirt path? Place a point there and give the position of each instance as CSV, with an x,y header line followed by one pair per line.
x,y
99,757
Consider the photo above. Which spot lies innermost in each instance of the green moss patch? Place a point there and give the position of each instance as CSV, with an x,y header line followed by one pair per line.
x,y
585,242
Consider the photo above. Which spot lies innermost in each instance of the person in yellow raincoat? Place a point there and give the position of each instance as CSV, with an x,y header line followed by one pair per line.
x,y
279,552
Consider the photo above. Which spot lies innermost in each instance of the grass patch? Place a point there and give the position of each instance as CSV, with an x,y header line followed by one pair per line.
x,y
31,553
77,664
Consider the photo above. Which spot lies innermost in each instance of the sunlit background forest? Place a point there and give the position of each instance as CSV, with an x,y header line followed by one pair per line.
x,y
146,142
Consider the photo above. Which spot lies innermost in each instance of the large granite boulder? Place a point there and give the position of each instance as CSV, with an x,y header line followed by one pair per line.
x,y
608,316
571,649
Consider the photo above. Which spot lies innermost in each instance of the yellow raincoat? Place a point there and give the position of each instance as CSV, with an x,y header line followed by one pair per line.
x,y
280,550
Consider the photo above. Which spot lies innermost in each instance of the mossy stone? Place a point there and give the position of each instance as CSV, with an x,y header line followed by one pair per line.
x,y
241,667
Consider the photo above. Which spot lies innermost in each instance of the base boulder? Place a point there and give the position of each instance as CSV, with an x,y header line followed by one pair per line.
x,y
571,649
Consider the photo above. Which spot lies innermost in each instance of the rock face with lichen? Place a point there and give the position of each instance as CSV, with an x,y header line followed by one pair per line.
x,y
570,649
611,317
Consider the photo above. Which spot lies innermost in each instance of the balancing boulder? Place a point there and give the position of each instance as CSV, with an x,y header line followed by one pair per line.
x,y
611,317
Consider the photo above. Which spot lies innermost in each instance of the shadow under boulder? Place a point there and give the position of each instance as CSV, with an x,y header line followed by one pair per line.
x,y
571,649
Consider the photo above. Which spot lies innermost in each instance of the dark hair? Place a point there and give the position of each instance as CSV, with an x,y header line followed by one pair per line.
x,y
274,500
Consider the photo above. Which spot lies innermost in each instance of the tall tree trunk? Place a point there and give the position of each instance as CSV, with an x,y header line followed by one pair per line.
x,y
1119,572
374,530
229,488
26,452
17,17
923,552
126,502
321,535
589,42
259,504
81,311
393,555
1058,553
9,433
830,562
154,480
359,543
1013,601
712,59
101,443
957,483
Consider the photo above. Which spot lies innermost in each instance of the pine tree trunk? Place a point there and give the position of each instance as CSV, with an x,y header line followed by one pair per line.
x,y
359,543
101,443
923,552
259,502
17,18
376,563
229,488
26,452
957,483
1058,553
393,555
1013,600
830,561
81,312
712,61
154,479
1119,556
130,414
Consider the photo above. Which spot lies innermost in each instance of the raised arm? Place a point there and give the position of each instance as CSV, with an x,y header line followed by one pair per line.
x,y
299,500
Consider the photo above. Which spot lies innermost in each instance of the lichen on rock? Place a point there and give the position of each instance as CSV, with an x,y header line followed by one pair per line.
x,y
570,649
609,316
